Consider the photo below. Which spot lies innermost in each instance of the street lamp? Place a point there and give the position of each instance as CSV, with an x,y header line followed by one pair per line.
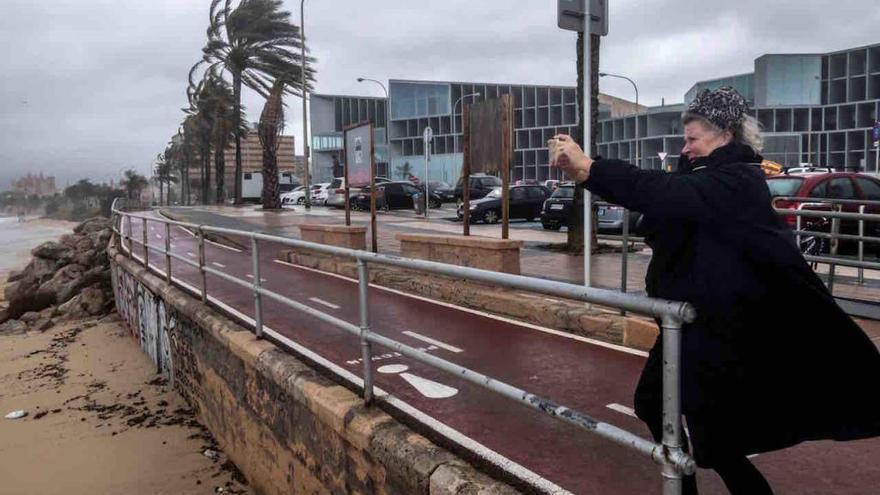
x,y
636,88
387,118
462,113
810,123
305,93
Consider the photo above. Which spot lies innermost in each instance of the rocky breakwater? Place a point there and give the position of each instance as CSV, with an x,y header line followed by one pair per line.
x,y
68,278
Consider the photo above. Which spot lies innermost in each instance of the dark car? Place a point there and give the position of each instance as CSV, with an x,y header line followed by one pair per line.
x,y
389,196
480,186
525,203
443,191
559,211
828,185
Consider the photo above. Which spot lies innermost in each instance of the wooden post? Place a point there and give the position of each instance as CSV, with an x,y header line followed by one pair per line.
x,y
373,233
466,170
506,129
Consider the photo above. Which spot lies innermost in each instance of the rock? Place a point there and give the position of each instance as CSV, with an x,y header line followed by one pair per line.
x,y
65,283
85,258
28,301
45,325
94,224
13,327
15,276
72,308
211,454
92,300
52,250
30,317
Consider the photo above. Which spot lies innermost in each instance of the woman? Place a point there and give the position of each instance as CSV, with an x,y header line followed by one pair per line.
x,y
771,360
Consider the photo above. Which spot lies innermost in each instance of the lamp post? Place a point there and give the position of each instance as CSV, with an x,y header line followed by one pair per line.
x,y
456,104
305,94
387,118
636,88
810,123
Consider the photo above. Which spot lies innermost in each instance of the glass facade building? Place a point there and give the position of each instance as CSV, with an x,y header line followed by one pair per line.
x,y
813,108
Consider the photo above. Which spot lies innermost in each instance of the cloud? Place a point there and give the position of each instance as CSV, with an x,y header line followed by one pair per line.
x,y
93,86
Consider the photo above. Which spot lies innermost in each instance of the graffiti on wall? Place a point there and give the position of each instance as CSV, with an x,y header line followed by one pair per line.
x,y
147,317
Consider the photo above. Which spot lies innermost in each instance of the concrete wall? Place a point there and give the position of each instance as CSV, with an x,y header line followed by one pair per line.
x,y
288,428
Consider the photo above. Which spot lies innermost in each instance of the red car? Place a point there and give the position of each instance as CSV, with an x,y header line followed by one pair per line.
x,y
825,185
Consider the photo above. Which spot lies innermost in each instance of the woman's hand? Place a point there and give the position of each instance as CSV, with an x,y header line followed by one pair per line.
x,y
567,155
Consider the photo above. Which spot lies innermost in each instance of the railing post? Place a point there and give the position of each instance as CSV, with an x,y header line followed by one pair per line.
x,y
672,435
130,243
366,351
798,227
624,254
861,244
835,230
201,237
258,303
168,253
146,249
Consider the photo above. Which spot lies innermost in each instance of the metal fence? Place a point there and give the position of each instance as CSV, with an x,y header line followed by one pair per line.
x,y
669,454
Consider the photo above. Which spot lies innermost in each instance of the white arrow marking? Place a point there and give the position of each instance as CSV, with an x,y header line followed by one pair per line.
x,y
428,388
325,303
622,409
442,345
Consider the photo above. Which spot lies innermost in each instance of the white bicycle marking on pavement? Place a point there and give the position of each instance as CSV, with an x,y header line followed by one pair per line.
x,y
323,302
428,388
622,409
429,340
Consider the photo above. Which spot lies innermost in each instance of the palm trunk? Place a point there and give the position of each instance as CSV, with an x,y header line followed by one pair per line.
x,y
271,120
206,167
575,241
219,170
236,88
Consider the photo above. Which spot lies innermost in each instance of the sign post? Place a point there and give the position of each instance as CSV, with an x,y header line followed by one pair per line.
x,y
427,136
360,169
876,136
662,155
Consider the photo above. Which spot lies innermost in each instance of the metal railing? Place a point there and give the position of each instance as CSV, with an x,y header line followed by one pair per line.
x,y
669,453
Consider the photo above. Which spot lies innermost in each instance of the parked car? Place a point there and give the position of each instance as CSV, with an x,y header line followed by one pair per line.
x,y
336,191
525,203
559,211
319,193
480,186
551,184
828,185
444,191
295,197
389,196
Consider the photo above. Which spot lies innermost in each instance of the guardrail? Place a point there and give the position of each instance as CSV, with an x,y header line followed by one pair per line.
x,y
669,453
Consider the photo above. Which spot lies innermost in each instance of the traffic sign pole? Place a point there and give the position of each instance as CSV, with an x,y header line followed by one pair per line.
x,y
427,135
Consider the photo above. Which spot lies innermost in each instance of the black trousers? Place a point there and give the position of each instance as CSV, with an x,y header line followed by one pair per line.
x,y
738,473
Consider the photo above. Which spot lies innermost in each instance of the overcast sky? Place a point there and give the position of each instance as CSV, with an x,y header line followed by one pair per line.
x,y
91,87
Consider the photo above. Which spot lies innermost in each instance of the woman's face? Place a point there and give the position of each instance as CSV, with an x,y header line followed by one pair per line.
x,y
701,140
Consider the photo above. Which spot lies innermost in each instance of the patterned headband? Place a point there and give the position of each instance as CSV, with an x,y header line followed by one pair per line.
x,y
724,107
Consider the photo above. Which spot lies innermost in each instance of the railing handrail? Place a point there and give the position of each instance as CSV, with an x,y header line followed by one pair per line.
x,y
669,453
866,202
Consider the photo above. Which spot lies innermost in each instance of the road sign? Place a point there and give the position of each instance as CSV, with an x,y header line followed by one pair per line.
x,y
662,155
570,15
428,135
877,131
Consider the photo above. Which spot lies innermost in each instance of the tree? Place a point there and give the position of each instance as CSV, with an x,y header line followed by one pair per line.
x,y
133,183
576,232
162,173
256,43
271,125
405,170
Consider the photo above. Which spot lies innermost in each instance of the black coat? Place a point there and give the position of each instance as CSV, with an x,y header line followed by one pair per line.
x,y
771,360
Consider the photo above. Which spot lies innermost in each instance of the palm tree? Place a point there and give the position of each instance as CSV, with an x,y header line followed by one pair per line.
x,y
256,43
271,125
133,183
163,173
576,231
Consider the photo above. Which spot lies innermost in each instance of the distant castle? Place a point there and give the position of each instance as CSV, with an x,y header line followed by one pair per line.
x,y
35,184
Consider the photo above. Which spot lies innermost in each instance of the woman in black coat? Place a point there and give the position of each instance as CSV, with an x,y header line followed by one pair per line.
x,y
771,360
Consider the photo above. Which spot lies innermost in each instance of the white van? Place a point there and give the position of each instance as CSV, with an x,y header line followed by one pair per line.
x,y
252,185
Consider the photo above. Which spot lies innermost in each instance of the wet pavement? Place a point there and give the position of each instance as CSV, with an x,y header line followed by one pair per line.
x,y
591,378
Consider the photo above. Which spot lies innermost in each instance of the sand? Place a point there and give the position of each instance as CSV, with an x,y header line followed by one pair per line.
x,y
100,420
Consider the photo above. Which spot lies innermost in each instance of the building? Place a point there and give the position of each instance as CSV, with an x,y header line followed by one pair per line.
x,y
35,184
251,160
813,108
539,113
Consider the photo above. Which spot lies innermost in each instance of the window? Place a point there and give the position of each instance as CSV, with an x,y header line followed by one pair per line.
x,y
536,193
409,190
568,192
870,189
518,194
820,191
841,188
490,181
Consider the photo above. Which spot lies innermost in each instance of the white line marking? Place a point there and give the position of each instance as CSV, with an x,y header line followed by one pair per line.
x,y
190,254
622,409
325,303
441,428
219,265
429,340
158,236
558,333
223,246
262,280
